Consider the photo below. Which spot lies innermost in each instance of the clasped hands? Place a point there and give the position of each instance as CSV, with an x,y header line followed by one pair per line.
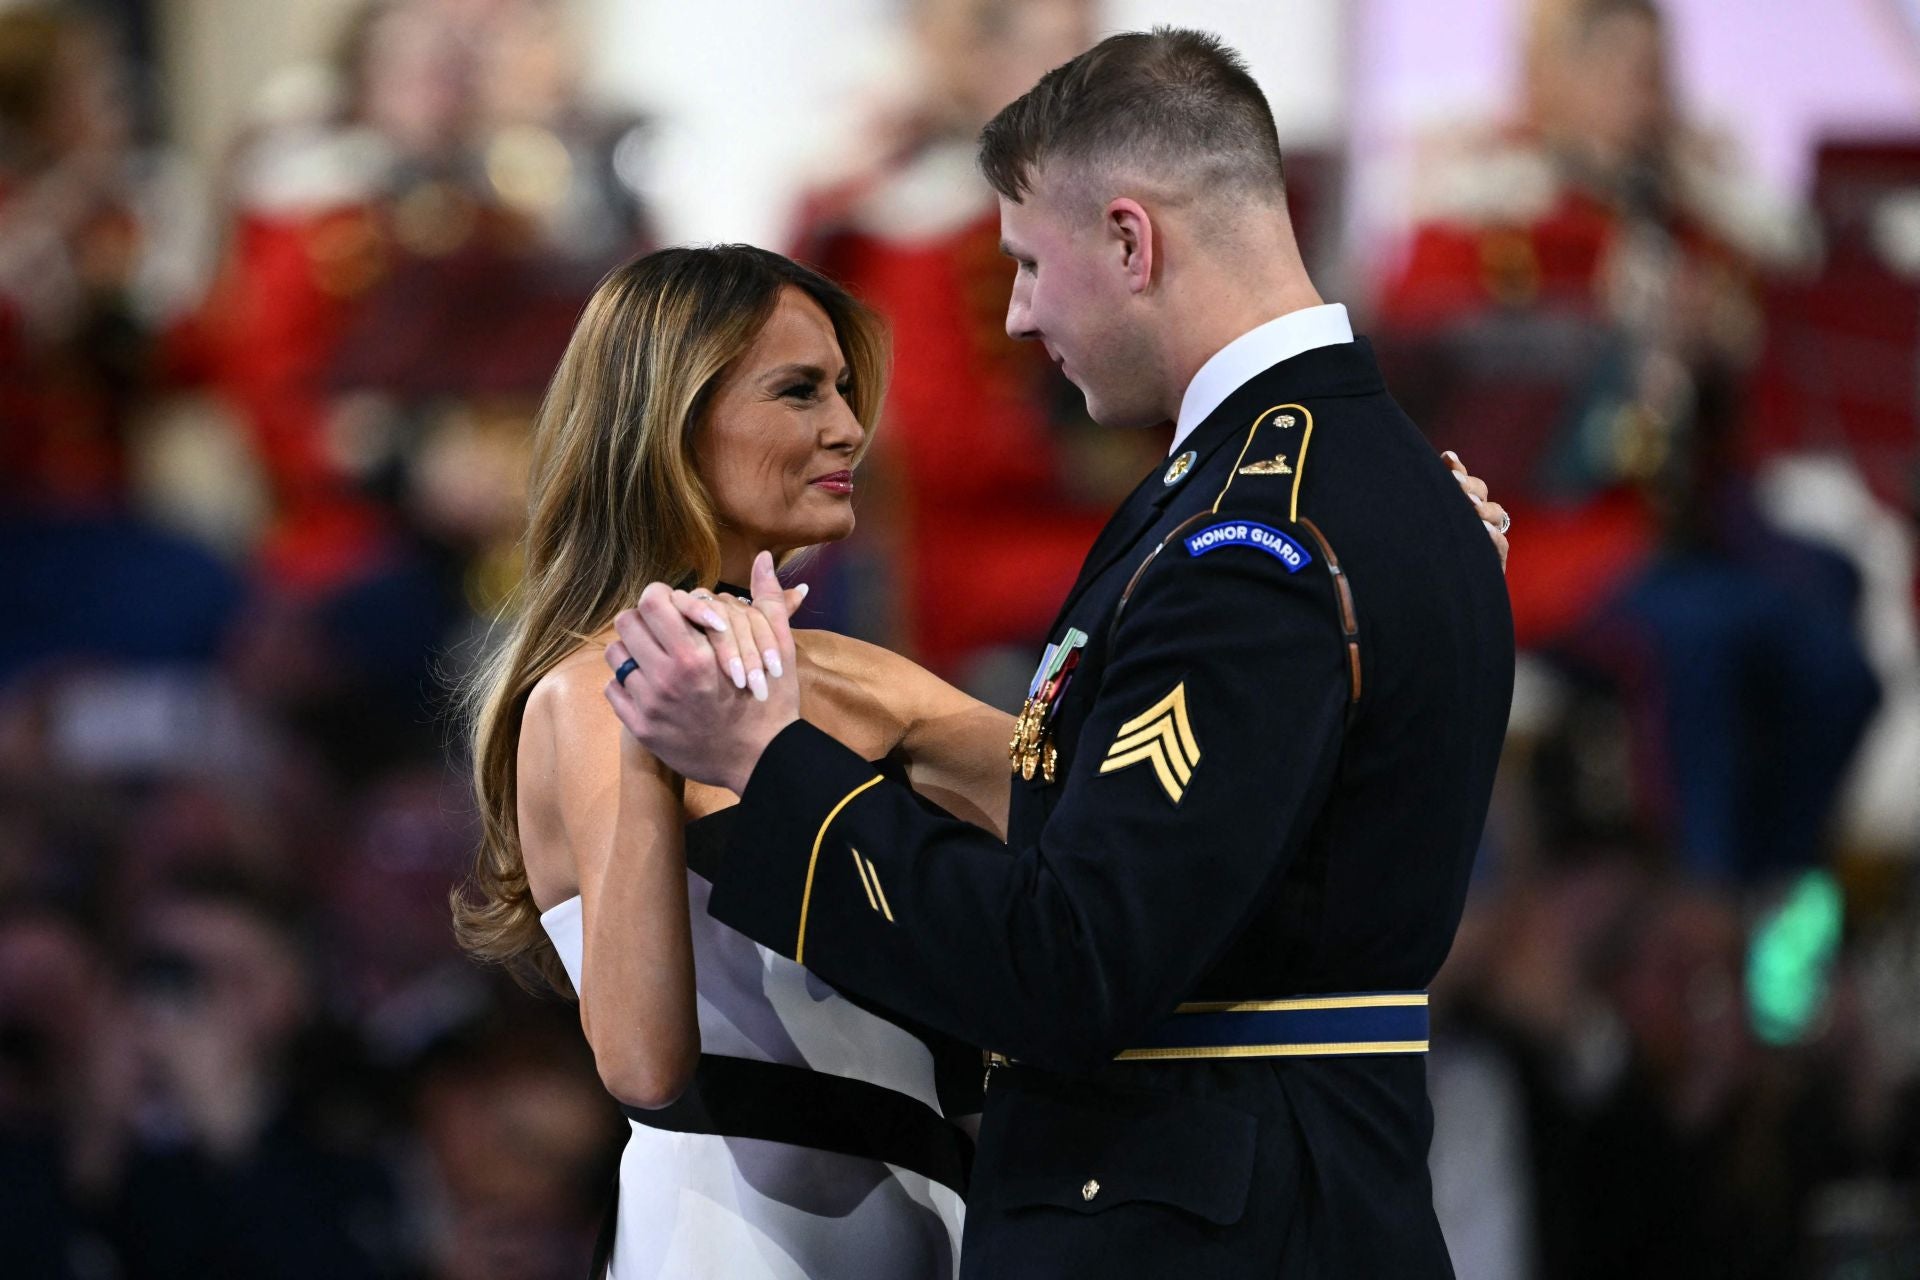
x,y
713,679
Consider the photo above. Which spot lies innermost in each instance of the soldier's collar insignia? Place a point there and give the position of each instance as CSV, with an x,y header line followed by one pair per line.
x,y
1178,468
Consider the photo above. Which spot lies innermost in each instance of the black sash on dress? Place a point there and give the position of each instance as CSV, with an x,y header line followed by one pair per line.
x,y
745,1098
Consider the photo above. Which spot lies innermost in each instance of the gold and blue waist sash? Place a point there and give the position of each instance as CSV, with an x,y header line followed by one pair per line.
x,y
1324,1026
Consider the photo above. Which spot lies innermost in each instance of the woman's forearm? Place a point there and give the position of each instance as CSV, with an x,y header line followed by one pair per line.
x,y
957,757
637,1005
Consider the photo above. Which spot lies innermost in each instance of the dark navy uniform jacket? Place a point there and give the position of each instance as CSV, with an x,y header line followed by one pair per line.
x,y
1265,782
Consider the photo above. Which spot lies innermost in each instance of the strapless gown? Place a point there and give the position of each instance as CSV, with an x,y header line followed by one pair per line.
x,y
812,1142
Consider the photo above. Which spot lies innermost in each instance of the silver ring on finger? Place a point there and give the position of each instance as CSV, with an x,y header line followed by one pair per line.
x,y
1506,523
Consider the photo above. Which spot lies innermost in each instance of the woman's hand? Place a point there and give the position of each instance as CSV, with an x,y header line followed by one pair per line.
x,y
669,683
1491,513
745,644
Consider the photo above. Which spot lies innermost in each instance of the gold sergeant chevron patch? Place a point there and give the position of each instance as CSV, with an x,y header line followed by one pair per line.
x,y
1161,736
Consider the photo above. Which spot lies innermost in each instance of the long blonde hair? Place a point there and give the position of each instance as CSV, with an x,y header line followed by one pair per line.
x,y
615,502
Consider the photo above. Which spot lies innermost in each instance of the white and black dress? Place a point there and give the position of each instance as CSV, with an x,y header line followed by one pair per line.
x,y
812,1142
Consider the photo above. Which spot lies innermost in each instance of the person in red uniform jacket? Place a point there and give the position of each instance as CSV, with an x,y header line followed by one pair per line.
x,y
318,217
431,239
1593,273
98,248
1598,258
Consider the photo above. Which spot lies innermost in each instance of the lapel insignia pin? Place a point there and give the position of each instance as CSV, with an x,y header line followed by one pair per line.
x,y
1161,736
1284,421
1274,466
1178,468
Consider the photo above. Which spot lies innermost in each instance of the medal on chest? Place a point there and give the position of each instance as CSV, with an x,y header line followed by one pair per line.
x,y
1032,750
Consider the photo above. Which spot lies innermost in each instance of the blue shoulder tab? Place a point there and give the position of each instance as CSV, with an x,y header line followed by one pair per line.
x,y
1248,533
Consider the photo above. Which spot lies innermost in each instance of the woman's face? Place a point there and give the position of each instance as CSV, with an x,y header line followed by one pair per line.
x,y
778,444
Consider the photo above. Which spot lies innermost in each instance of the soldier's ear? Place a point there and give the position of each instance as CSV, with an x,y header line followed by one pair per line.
x,y
1130,232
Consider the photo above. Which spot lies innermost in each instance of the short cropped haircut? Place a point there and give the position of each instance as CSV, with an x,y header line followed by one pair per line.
x,y
1168,102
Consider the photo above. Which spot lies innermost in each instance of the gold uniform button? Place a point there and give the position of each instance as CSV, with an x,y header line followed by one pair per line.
x,y
1091,1190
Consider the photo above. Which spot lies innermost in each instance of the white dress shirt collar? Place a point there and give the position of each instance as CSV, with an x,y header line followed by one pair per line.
x,y
1254,352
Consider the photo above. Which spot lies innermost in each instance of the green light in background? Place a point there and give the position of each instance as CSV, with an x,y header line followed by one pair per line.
x,y
1789,959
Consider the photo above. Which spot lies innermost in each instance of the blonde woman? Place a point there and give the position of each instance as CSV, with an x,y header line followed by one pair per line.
x,y
714,402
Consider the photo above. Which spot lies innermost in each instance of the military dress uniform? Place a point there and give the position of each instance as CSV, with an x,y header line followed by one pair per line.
x,y
1248,785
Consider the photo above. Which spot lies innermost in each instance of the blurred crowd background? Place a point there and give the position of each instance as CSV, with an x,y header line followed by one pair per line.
x,y
280,286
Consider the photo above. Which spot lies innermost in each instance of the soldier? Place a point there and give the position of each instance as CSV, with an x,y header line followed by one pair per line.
x,y
1252,768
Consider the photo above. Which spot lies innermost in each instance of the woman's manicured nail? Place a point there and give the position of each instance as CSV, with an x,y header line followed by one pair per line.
x,y
772,657
713,620
757,681
739,670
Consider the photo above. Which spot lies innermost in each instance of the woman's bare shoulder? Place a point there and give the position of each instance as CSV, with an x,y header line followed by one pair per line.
x,y
566,716
571,691
569,769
